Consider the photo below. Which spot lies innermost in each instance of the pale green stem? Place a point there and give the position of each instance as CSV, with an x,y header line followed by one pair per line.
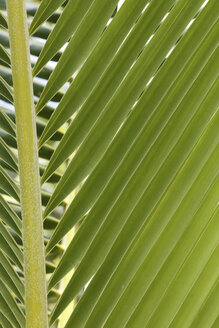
x,y
34,258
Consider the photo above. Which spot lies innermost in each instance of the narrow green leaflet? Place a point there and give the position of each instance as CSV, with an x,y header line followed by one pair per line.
x,y
10,277
9,216
3,21
10,247
5,90
4,56
8,185
6,123
45,10
208,314
199,292
4,322
62,31
8,156
77,50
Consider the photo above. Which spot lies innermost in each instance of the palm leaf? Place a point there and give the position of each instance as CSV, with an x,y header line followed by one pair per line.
x,y
126,96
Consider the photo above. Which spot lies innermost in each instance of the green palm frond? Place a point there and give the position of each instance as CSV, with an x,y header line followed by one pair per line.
x,y
126,96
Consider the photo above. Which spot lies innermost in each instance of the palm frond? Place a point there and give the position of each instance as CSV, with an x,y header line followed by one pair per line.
x,y
126,97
